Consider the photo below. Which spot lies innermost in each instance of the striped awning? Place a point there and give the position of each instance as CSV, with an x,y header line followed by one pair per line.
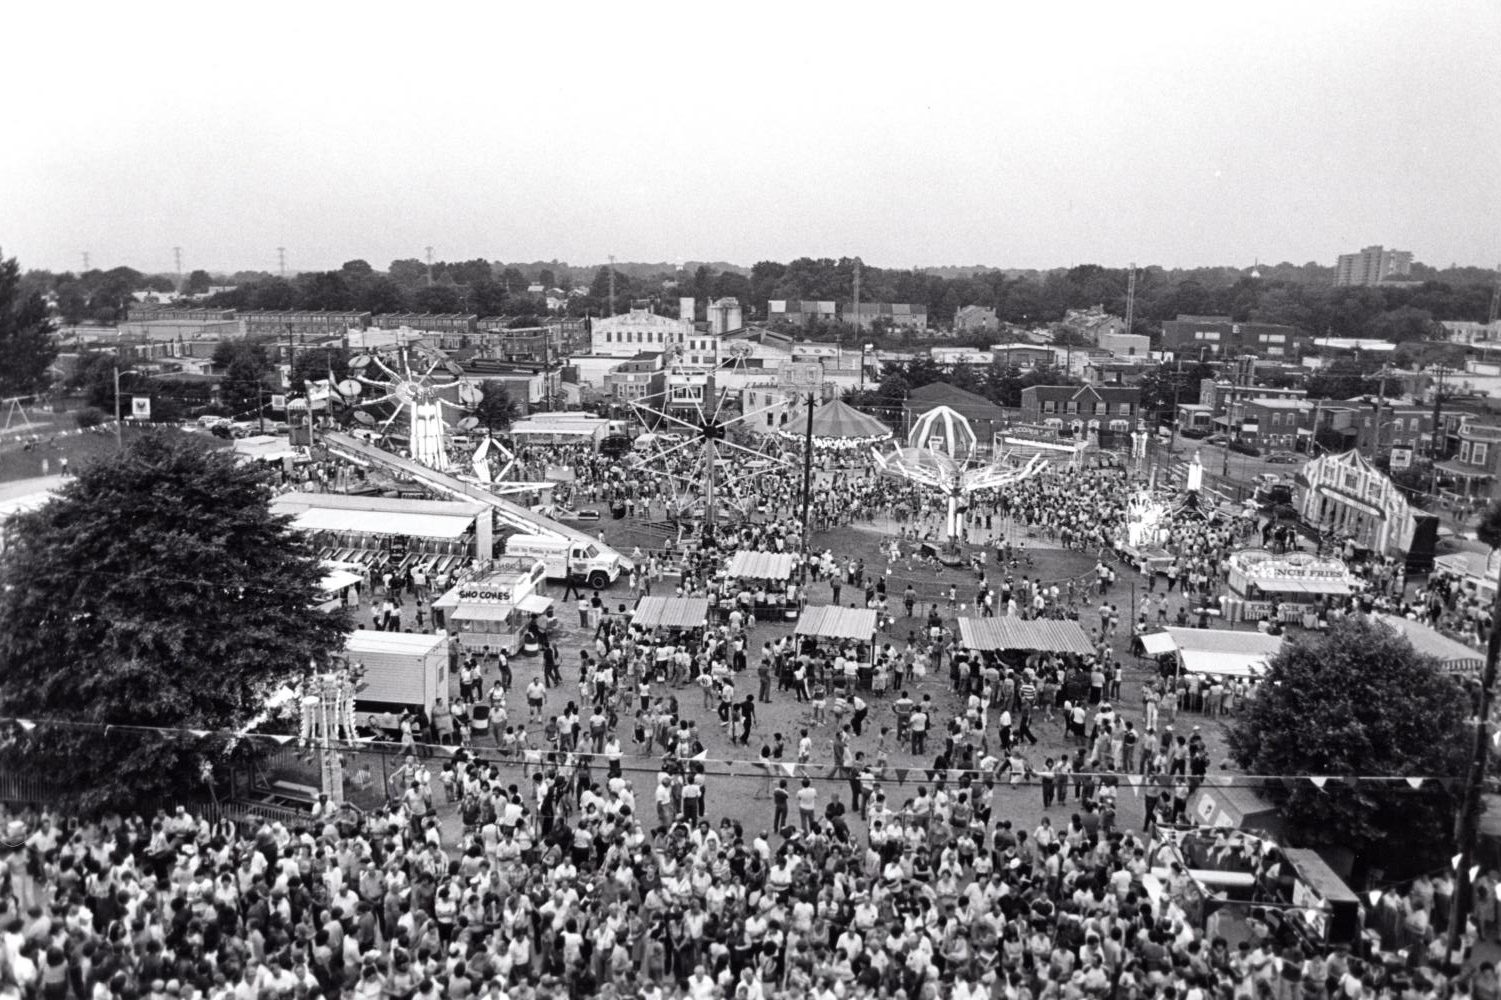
x,y
1038,634
762,565
671,612
838,623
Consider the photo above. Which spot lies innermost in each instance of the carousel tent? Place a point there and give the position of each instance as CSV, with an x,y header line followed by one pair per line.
x,y
838,623
838,419
1034,635
762,565
671,612
1454,656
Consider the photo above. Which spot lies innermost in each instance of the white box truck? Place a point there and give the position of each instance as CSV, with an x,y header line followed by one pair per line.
x,y
566,559
402,670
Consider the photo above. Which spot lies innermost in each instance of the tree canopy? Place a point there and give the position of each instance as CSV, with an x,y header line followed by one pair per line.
x,y
1358,700
156,590
27,348
496,410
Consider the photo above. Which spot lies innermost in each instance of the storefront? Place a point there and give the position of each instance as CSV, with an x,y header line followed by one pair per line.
x,y
1299,586
496,611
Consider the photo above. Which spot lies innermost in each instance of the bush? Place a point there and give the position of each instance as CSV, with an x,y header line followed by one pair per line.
x,y
88,417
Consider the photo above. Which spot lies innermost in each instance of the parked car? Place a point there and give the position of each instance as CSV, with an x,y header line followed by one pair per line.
x,y
586,514
1217,439
1282,458
1268,478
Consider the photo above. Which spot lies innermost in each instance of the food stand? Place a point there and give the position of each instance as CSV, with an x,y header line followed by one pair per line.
x,y
1297,584
494,610
341,586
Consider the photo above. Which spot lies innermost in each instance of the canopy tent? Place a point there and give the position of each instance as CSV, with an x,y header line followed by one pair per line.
x,y
762,565
838,419
837,623
1453,655
1035,635
671,612
1221,652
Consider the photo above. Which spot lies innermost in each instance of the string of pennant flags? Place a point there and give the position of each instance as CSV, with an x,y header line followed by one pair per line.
x,y
773,769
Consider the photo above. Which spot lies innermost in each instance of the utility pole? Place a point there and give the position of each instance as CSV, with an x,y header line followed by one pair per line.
x,y
1130,296
85,261
281,260
429,265
807,499
1435,449
177,256
859,326
612,284
119,440
1495,310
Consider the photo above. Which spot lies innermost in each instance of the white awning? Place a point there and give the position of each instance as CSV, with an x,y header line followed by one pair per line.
x,y
337,580
534,604
383,522
1157,643
1203,661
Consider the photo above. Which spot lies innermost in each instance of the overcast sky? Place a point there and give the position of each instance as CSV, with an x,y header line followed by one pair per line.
x,y
910,134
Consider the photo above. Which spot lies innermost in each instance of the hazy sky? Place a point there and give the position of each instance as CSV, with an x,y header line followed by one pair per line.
x,y
1175,134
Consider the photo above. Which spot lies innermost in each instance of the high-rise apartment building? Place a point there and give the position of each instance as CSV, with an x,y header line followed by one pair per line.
x,y
1372,266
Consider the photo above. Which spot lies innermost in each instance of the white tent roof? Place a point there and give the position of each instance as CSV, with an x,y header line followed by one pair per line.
x,y
1225,652
384,522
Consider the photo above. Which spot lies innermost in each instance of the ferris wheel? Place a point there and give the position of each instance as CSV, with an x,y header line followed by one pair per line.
x,y
411,380
701,425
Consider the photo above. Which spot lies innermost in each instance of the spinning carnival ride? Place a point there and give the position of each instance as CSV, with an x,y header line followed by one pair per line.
x,y
413,379
942,453
699,423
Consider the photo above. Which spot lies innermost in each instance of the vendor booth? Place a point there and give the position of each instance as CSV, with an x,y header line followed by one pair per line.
x,y
1036,635
495,611
1299,586
841,626
341,586
758,582
1453,656
1234,807
1214,652
1475,571
671,613
271,449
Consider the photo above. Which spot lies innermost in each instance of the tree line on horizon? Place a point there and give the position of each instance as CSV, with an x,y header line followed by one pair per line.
x,y
1302,296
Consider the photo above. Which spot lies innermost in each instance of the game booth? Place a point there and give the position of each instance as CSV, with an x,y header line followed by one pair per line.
x,y
1020,637
1295,586
497,610
395,533
765,576
674,621
839,627
341,586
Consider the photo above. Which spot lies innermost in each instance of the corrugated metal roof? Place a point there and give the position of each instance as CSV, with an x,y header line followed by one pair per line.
x,y
838,623
671,612
762,565
1018,633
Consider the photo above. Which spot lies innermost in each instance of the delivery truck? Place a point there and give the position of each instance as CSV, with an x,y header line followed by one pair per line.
x,y
400,671
565,559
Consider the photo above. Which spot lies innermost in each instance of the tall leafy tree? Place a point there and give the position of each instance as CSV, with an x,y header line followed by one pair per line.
x,y
156,590
1358,700
27,348
496,409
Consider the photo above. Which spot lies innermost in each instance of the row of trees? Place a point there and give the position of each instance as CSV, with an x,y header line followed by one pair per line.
x,y
1300,296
